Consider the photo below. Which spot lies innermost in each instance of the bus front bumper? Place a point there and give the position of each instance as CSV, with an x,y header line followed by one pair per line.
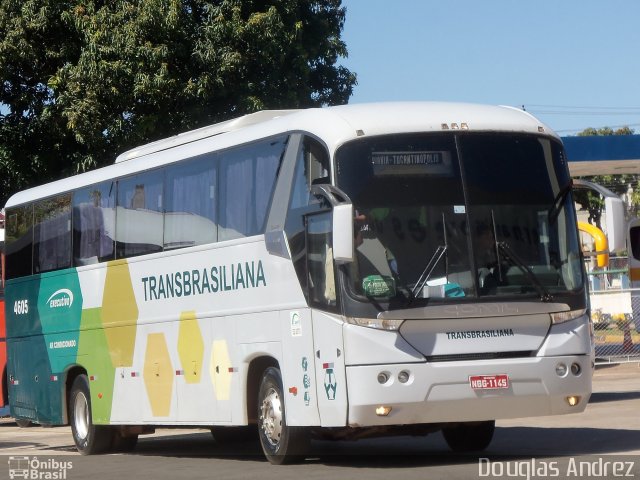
x,y
442,392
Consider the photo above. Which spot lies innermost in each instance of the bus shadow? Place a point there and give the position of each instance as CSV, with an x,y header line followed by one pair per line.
x,y
509,444
564,441
601,397
9,445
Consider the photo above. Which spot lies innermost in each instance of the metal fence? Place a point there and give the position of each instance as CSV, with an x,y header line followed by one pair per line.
x,y
615,311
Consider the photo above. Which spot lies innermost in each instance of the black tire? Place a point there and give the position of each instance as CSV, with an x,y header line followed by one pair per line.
x,y
245,433
24,423
90,439
280,443
469,437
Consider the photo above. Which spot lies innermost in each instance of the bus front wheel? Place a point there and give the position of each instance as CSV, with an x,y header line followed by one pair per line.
x,y
280,443
89,438
469,437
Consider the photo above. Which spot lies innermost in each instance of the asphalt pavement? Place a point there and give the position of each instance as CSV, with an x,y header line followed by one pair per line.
x,y
605,437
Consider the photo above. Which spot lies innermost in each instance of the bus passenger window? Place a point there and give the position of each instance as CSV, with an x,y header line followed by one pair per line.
x,y
18,241
94,224
190,203
139,216
52,234
247,179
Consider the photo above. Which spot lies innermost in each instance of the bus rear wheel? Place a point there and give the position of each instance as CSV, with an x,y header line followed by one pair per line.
x,y
23,422
90,439
469,437
280,443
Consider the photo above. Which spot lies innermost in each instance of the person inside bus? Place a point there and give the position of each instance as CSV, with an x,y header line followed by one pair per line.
x,y
486,259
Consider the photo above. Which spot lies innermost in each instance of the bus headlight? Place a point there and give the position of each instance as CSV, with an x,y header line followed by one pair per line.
x,y
381,324
561,317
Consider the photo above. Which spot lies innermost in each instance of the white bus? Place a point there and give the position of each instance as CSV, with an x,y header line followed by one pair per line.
x,y
352,270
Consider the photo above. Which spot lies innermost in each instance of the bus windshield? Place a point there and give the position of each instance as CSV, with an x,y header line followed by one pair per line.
x,y
454,215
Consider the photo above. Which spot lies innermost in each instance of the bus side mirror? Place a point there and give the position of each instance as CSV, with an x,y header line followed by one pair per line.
x,y
614,209
342,220
343,233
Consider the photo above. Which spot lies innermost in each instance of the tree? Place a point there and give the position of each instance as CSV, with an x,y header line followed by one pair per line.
x,y
85,80
619,184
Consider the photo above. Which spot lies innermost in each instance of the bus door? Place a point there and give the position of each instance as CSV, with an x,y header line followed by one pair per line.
x,y
329,240
33,389
3,334
22,382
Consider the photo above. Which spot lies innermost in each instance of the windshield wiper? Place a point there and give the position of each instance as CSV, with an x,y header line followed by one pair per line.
x,y
504,247
428,270
558,202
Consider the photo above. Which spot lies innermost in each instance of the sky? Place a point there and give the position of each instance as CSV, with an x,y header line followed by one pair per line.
x,y
572,63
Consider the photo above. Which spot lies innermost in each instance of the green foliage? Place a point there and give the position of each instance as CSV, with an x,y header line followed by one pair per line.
x,y
85,80
605,131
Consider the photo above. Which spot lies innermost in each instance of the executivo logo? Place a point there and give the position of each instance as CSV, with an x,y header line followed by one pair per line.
x,y
61,298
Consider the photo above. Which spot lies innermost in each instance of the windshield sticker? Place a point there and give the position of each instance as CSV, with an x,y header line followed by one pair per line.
x,y
379,286
459,209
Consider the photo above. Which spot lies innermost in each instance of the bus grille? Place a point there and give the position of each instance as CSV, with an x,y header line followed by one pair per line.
x,y
479,356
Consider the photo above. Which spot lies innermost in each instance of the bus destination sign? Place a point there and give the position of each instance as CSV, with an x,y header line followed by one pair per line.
x,y
411,162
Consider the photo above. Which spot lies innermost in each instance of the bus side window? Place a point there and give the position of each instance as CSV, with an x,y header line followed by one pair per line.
x,y
322,284
52,234
18,241
139,215
312,167
190,203
94,224
247,180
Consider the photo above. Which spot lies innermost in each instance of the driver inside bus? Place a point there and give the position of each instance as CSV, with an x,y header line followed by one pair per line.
x,y
365,237
486,259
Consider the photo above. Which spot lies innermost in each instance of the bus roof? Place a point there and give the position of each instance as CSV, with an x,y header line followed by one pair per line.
x,y
333,125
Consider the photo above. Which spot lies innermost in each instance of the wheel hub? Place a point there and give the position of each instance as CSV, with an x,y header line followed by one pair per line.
x,y
81,415
271,417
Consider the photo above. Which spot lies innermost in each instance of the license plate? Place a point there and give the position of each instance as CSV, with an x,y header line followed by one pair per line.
x,y
489,382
